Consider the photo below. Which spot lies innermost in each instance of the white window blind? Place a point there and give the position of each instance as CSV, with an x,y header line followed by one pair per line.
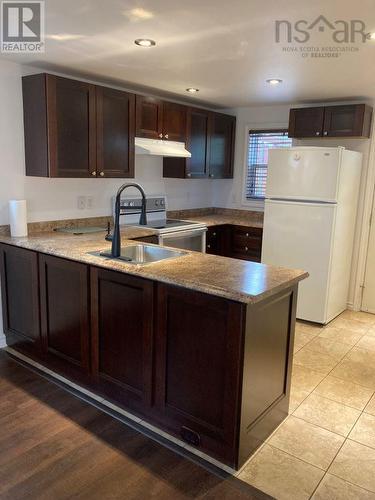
x,y
260,141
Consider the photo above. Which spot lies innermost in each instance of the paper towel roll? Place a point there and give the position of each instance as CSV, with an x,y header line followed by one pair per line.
x,y
18,218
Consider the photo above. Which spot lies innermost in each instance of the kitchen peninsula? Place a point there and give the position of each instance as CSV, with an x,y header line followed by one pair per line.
x,y
200,346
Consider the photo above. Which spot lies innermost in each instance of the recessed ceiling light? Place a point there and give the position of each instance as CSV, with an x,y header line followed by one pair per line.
x,y
145,42
192,90
64,37
274,81
372,36
138,14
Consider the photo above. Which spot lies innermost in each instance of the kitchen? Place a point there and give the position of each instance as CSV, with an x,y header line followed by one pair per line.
x,y
185,343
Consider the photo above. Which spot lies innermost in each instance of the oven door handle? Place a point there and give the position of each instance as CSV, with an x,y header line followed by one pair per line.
x,y
183,234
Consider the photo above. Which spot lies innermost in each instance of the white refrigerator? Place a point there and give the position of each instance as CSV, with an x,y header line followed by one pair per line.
x,y
309,223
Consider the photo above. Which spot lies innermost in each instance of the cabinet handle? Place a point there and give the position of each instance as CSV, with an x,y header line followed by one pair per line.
x,y
101,174
246,249
211,175
325,133
213,234
161,136
188,175
166,136
247,235
93,173
317,133
208,246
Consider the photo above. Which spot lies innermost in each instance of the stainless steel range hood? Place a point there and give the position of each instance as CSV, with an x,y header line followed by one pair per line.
x,y
160,148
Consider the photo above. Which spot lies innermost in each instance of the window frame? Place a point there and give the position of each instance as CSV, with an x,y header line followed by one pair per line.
x,y
254,203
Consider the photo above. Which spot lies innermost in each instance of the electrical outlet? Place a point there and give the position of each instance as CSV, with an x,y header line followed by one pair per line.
x,y
90,202
81,202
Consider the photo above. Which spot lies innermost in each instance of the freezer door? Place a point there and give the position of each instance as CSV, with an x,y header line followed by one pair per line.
x,y
303,174
299,235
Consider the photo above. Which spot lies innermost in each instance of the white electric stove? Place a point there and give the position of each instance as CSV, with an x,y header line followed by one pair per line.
x,y
175,233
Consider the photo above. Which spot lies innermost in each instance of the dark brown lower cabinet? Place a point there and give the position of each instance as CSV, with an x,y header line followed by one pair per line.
x,y
222,374
246,243
211,371
20,298
65,318
122,337
217,238
197,373
238,242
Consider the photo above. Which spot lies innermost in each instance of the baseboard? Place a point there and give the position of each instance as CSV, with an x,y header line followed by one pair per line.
x,y
136,423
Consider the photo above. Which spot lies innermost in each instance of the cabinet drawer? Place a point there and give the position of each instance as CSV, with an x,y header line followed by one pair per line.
x,y
243,238
246,243
252,255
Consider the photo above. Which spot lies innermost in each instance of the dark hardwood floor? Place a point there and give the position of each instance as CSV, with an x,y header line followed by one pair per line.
x,y
55,446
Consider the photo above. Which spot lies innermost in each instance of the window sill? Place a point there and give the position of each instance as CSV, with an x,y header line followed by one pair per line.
x,y
253,204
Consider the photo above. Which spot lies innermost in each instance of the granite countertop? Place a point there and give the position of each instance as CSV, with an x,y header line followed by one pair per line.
x,y
238,280
220,216
220,219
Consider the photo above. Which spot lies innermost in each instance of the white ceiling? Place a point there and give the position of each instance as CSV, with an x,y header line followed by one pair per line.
x,y
225,48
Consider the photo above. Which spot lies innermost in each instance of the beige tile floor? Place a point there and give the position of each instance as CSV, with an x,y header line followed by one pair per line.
x,y
325,449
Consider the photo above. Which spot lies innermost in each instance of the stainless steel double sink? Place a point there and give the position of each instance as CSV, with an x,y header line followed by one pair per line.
x,y
142,254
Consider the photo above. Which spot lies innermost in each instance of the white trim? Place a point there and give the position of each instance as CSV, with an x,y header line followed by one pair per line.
x,y
365,226
257,205
3,341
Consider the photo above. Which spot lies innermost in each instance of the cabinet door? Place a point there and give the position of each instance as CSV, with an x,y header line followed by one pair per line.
x,y
71,127
65,313
222,145
122,337
198,343
174,121
115,133
198,142
148,117
306,122
346,121
20,298
216,240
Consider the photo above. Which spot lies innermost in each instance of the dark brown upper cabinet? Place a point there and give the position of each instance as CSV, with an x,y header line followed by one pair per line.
x,y
174,121
350,120
306,122
210,139
197,142
222,137
59,121
347,121
76,129
148,117
115,111
156,119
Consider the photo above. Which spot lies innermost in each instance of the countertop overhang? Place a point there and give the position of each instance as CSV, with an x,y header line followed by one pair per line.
x,y
237,280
